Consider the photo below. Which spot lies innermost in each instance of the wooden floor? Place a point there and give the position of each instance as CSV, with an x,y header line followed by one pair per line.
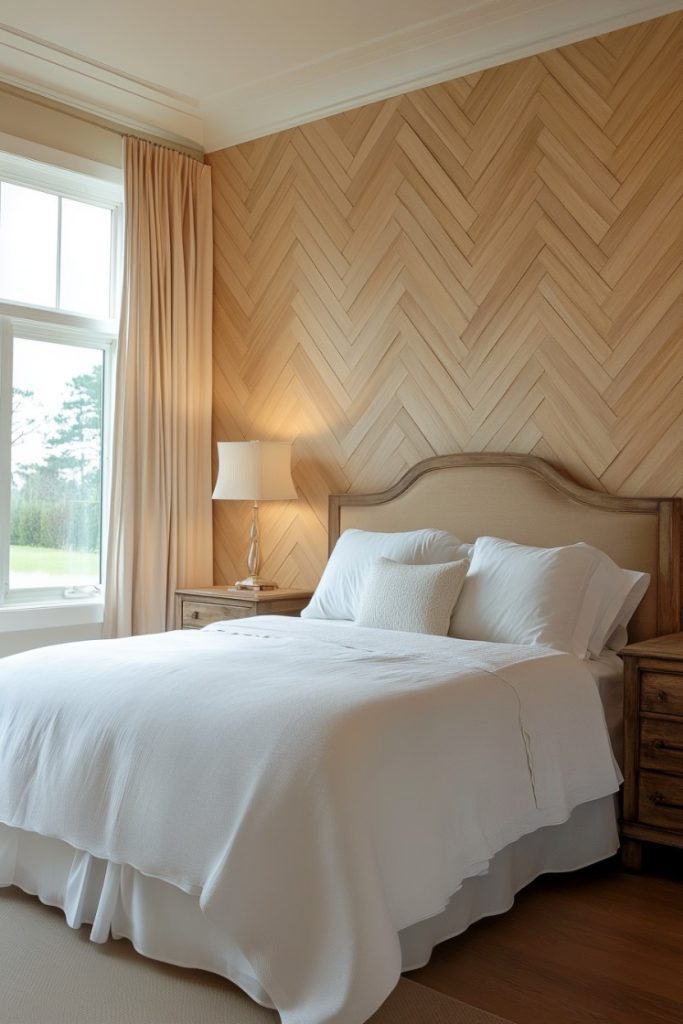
x,y
596,947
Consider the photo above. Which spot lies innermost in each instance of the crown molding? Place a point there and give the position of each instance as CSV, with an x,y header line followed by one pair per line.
x,y
470,39
38,67
459,44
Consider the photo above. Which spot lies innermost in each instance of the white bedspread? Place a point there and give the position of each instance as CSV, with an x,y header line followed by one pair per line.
x,y
319,787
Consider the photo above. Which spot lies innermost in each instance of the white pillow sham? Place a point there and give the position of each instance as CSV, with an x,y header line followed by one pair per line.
x,y
617,639
411,598
621,591
525,595
618,636
341,584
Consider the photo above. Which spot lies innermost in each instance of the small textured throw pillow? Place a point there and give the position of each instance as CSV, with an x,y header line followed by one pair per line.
x,y
411,598
346,573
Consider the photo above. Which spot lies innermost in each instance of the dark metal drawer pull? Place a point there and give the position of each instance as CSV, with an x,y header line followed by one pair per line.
x,y
661,695
195,615
661,745
658,800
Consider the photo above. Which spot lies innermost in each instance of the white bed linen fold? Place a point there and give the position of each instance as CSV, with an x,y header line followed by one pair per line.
x,y
167,924
608,673
318,788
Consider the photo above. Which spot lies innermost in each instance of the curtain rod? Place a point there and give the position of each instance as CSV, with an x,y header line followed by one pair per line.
x,y
105,124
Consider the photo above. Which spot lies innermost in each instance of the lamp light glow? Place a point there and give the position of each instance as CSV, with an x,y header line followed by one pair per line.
x,y
254,471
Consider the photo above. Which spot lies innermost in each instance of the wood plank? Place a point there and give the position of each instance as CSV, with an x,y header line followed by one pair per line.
x,y
490,261
597,945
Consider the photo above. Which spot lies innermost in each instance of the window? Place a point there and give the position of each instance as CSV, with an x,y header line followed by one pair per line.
x,y
59,235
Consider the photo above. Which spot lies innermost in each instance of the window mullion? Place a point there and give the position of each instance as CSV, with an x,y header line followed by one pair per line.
x,y
6,344
114,263
58,270
109,370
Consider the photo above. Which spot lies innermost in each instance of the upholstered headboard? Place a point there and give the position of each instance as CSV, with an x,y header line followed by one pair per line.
x,y
522,498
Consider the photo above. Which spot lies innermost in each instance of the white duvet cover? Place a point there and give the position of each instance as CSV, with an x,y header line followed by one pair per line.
x,y
319,787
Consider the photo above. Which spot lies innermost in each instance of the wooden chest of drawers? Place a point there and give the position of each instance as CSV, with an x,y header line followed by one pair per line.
x,y
653,745
197,608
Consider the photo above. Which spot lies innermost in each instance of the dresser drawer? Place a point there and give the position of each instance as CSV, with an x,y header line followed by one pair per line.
x,y
197,613
661,692
661,745
660,801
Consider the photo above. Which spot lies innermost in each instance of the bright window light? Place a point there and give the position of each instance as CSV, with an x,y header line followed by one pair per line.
x,y
28,245
85,259
56,465
59,279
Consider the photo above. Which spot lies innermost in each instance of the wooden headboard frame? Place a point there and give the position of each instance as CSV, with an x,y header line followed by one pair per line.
x,y
570,517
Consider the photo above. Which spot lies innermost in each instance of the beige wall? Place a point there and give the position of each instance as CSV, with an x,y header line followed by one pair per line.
x,y
76,134
489,264
47,124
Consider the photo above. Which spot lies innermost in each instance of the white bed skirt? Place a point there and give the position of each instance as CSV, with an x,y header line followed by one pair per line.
x,y
167,924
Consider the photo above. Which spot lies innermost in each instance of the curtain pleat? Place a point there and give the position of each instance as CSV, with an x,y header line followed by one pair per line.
x,y
160,533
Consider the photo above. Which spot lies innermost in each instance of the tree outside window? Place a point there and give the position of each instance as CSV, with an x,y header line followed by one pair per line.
x,y
58,272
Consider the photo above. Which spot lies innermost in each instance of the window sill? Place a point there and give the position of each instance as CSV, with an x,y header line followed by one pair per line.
x,y
15,618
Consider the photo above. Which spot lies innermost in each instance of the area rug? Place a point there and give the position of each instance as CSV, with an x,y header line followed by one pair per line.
x,y
51,974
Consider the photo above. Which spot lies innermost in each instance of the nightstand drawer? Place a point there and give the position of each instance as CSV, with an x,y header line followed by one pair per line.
x,y
660,801
198,607
197,614
661,692
653,745
661,745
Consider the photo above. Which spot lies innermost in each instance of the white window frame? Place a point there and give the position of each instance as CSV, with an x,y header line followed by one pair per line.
x,y
56,327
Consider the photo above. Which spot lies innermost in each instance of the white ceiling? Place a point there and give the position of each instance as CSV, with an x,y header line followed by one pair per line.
x,y
216,72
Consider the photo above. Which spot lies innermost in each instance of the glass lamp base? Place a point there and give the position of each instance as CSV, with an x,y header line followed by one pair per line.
x,y
255,583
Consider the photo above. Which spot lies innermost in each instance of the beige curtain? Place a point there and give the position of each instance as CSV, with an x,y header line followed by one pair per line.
x,y
160,518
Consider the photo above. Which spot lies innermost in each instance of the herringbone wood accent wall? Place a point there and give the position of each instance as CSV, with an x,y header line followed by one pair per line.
x,y
490,264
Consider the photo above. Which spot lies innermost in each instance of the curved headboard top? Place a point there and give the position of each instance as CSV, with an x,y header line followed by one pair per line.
x,y
524,499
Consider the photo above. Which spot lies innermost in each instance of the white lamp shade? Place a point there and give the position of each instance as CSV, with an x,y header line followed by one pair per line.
x,y
255,471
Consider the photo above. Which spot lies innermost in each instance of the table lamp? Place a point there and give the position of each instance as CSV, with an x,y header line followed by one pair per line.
x,y
254,471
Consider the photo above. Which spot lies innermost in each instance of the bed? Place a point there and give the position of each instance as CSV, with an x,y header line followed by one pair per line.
x,y
309,834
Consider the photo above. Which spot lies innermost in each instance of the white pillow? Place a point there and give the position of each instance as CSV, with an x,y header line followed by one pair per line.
x,y
621,591
618,636
411,598
618,639
523,595
339,590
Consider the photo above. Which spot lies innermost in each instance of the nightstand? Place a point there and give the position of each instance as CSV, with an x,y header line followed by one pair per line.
x,y
197,608
653,745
